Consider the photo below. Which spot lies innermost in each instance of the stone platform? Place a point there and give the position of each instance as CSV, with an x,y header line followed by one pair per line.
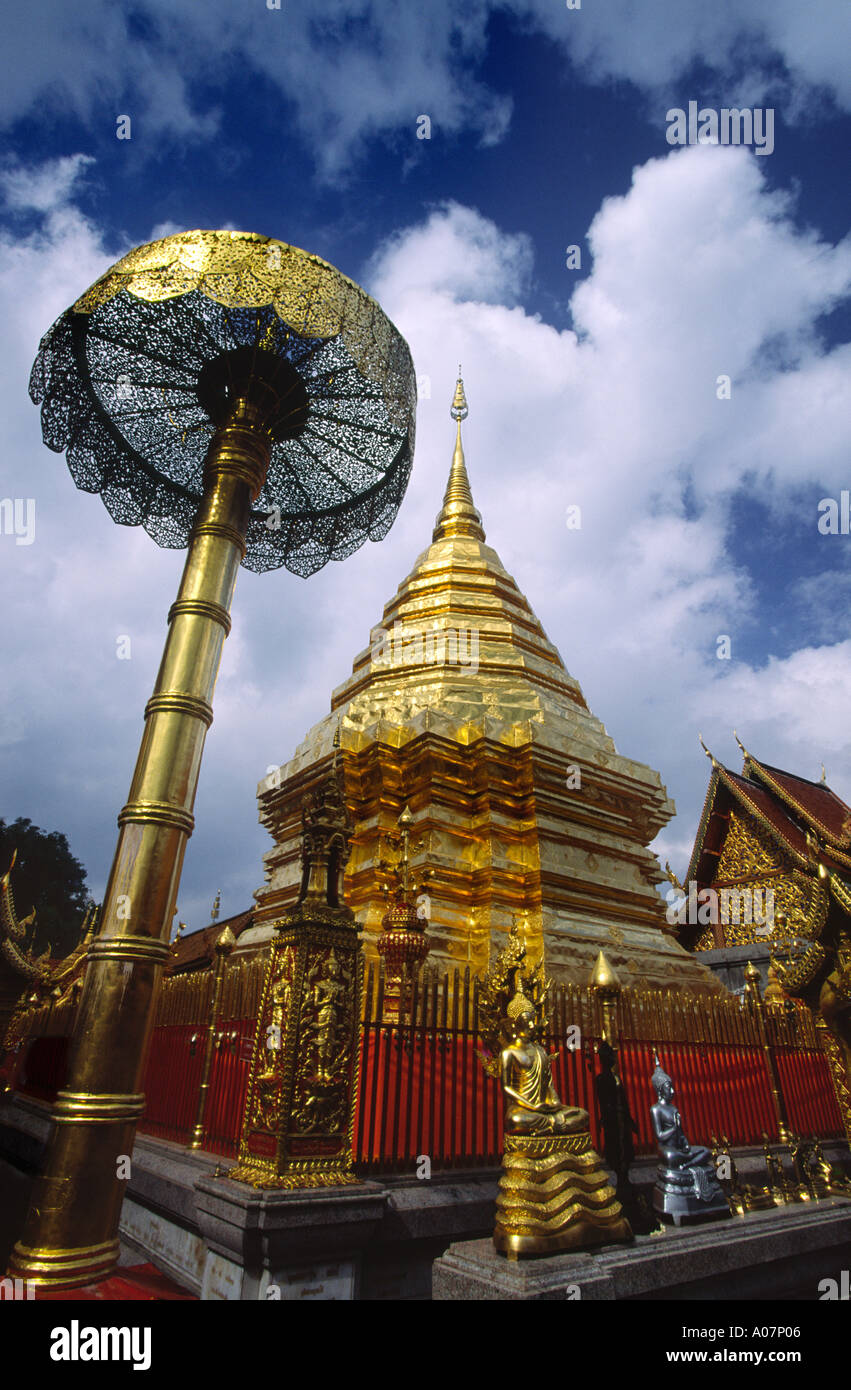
x,y
391,1238
783,1253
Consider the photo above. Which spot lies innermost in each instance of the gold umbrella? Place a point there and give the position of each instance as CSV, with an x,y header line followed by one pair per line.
x,y
238,395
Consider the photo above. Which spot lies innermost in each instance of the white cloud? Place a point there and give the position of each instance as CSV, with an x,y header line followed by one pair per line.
x,y
459,253
655,43
351,70
623,420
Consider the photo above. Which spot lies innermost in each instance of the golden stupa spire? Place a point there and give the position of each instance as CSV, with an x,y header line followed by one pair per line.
x,y
458,515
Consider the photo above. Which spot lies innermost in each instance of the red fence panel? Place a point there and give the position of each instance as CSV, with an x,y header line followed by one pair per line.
x,y
172,1081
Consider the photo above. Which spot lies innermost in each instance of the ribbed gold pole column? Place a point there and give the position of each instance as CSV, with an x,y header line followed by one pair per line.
x,y
71,1232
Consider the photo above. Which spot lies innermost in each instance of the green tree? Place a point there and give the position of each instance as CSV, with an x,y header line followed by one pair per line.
x,y
48,878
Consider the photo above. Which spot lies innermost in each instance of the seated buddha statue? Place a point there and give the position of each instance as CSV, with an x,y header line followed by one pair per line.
x,y
686,1181
532,1105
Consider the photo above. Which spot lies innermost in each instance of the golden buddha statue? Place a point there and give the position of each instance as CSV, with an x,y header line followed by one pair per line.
x,y
532,1104
554,1193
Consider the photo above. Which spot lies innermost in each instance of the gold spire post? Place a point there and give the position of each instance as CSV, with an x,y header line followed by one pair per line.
x,y
458,515
71,1232
607,987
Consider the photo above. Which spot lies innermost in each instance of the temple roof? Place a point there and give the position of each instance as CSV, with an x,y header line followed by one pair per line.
x,y
196,950
789,808
813,801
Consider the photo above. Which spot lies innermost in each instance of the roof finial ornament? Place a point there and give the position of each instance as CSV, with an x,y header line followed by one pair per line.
x,y
458,409
707,752
741,745
823,778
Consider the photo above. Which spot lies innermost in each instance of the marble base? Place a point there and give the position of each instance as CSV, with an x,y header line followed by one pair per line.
x,y
784,1253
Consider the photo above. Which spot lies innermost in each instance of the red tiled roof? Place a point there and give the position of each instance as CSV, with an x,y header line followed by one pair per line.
x,y
820,806
770,811
195,950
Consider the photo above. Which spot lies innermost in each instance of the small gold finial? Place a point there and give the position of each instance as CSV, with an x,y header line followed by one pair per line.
x,y
225,941
741,745
458,409
706,751
603,975
216,905
458,515
823,778
774,993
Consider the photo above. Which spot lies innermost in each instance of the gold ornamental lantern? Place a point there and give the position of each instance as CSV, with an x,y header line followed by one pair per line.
x,y
240,397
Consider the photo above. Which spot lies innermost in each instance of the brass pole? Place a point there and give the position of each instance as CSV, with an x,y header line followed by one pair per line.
x,y
223,948
71,1232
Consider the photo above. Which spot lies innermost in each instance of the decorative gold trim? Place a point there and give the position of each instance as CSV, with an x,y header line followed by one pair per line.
x,y
157,813
75,1107
201,608
146,948
63,1268
176,702
220,529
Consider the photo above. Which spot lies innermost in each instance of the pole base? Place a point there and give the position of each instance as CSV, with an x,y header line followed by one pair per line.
x,y
63,1269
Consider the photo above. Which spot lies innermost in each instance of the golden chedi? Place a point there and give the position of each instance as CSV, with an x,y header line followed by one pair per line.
x,y
462,709
553,1193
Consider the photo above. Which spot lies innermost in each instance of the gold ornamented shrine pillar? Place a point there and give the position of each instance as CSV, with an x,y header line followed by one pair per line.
x,y
299,1113
79,1196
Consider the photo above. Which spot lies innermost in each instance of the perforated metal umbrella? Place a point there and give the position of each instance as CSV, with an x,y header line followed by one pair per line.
x,y
134,379
241,397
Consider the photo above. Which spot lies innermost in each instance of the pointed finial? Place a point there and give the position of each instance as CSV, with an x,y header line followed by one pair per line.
x,y
216,905
823,778
706,751
672,878
741,745
458,515
458,409
603,975
225,941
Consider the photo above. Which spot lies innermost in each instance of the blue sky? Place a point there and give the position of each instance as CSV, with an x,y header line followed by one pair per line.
x,y
594,385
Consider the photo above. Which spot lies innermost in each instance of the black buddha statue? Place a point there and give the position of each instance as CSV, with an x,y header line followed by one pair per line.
x,y
686,1182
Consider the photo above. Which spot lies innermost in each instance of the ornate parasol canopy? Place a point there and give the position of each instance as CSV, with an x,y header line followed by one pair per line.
x,y
134,379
